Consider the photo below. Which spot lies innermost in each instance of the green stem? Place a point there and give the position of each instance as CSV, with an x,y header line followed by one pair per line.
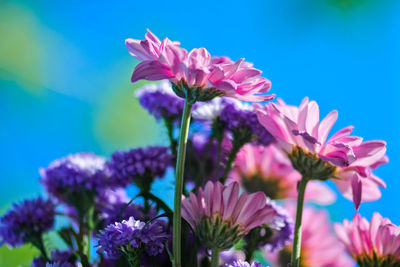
x,y
219,152
215,258
301,189
232,155
39,244
79,238
180,163
169,124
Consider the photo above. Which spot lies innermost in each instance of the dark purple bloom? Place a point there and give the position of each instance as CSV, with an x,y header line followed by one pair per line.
x,y
201,160
240,116
75,173
26,221
131,237
282,230
140,165
161,102
240,263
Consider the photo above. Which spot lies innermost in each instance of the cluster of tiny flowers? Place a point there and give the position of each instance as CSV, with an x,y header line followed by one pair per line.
x,y
57,258
121,211
26,220
74,173
160,101
236,115
136,163
240,263
132,234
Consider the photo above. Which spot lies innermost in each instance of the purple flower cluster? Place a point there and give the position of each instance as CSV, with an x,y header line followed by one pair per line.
x,y
112,213
26,221
282,229
139,164
131,235
75,173
240,263
58,258
160,101
237,115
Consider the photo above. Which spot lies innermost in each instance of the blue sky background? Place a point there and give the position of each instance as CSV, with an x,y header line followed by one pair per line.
x,y
65,75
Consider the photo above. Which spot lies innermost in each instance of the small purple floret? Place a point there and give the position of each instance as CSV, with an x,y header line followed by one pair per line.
x,y
149,162
75,173
160,101
236,115
132,234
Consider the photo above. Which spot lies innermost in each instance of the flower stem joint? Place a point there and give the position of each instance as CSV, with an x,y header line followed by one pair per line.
x,y
310,166
193,94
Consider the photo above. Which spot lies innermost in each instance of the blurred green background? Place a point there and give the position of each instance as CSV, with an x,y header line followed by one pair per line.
x,y
65,77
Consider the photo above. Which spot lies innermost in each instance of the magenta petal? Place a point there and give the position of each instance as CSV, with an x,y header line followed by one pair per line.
x,y
152,71
356,187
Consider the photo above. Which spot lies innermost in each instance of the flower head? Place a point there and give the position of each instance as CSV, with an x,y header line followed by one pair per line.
x,y
160,101
26,221
342,156
75,173
268,169
375,243
240,119
220,217
140,165
132,236
240,263
300,127
357,181
195,74
319,246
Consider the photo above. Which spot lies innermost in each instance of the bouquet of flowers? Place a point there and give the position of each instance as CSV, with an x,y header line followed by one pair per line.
x,y
246,170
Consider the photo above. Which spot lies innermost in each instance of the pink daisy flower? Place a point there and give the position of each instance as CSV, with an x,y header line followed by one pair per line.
x,y
267,169
375,243
344,157
220,217
319,246
356,181
207,77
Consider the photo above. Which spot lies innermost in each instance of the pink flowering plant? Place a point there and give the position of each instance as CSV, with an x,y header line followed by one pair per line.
x,y
245,176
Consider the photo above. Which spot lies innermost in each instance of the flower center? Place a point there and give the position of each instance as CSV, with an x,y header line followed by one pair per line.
x,y
271,186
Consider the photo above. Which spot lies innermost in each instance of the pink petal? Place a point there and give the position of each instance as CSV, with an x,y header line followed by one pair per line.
x,y
326,125
356,186
152,71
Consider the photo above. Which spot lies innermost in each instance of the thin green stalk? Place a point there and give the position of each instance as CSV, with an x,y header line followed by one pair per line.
x,y
232,155
180,164
169,124
39,244
79,238
301,189
219,152
215,258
